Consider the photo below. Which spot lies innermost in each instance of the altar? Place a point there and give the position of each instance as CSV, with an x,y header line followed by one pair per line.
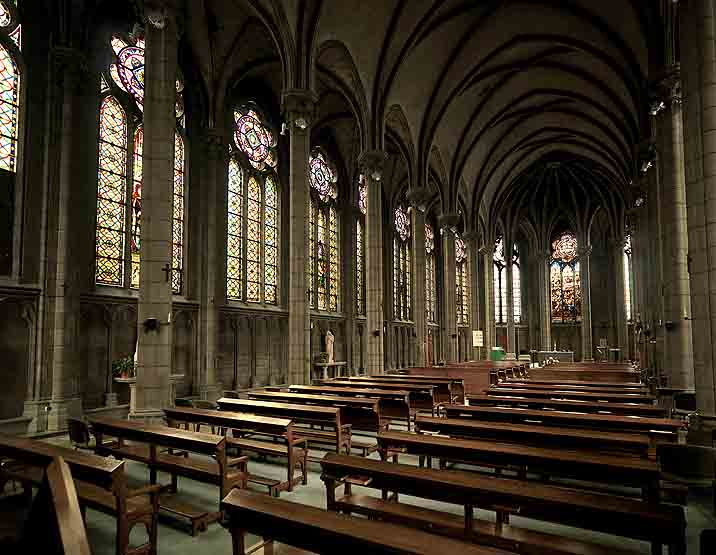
x,y
328,370
561,356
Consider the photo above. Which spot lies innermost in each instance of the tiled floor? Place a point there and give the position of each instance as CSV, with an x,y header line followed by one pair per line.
x,y
174,537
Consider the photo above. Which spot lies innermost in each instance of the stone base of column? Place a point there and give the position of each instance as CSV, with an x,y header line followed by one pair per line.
x,y
510,356
150,416
588,360
111,399
211,392
50,415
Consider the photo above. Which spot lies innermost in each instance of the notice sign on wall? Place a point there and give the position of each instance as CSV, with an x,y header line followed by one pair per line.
x,y
478,339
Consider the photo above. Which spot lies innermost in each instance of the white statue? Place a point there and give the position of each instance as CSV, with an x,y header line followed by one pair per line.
x,y
330,339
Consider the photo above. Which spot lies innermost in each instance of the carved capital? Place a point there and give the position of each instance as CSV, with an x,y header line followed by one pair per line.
x,y
215,144
299,107
418,197
160,14
449,220
372,162
472,237
666,90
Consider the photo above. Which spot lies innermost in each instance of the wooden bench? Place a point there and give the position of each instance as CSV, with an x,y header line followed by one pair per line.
x,y
441,388
658,524
601,387
456,385
100,482
252,433
422,397
573,395
316,531
635,444
568,404
393,403
587,465
665,428
305,418
155,446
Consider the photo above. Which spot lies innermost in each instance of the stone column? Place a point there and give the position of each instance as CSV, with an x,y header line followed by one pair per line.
x,y
617,253
698,72
544,298
587,347
472,240
489,296
510,355
447,223
60,302
299,107
678,351
483,293
154,351
418,198
371,164
211,239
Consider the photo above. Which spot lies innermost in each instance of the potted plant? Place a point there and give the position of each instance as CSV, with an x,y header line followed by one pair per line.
x,y
321,358
124,367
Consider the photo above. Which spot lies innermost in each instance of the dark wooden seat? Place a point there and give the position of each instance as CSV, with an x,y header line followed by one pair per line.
x,y
266,436
666,428
441,388
640,445
194,455
655,523
457,385
558,403
598,387
422,396
101,484
326,533
583,464
304,417
574,395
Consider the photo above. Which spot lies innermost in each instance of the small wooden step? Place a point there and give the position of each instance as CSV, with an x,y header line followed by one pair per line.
x,y
198,518
271,483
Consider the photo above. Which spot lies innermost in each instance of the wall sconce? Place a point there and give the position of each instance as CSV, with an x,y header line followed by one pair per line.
x,y
669,325
157,17
283,128
454,335
376,175
155,324
376,333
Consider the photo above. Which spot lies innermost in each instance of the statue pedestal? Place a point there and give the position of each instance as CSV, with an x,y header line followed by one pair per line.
x,y
327,370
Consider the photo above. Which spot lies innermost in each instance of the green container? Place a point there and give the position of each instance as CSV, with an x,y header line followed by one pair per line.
x,y
497,353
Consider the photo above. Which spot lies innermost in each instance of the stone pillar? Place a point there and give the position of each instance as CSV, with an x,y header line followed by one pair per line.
x,y
154,351
678,351
698,72
211,238
510,355
371,164
587,347
472,240
60,302
299,107
418,197
617,253
483,293
489,296
544,299
446,223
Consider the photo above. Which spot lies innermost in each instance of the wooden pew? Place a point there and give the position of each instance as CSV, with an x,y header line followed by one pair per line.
x,y
665,428
422,397
574,395
245,427
326,533
456,384
153,445
658,524
441,388
585,464
100,482
591,373
339,436
578,385
392,403
568,405
640,445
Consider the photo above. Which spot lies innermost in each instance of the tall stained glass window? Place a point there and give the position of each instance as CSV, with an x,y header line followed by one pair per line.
x,y
253,209
566,291
499,281
360,249
120,171
627,278
402,298
516,291
324,236
430,284
462,283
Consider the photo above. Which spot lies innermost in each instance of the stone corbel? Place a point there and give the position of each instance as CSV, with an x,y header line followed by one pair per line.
x,y
215,144
666,91
372,163
418,198
449,220
299,108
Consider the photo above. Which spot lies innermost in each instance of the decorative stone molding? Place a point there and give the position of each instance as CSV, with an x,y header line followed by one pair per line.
x,y
449,220
666,90
372,162
418,197
299,107
215,144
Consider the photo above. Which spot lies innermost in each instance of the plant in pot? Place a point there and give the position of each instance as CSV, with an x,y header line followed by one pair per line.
x,y
322,358
124,367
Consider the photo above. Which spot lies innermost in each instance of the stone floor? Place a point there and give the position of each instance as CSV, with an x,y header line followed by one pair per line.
x,y
174,537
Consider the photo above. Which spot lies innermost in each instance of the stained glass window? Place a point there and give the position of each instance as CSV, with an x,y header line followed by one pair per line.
x,y
499,281
122,90
402,301
430,284
566,292
9,110
360,247
462,283
362,198
9,23
627,278
516,291
111,193
5,17
253,211
324,238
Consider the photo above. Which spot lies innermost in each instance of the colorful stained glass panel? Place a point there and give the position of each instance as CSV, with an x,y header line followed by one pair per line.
x,y
178,216
9,95
255,139
322,176
234,246
136,203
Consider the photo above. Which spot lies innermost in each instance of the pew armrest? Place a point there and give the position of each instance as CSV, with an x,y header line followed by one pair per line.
x,y
237,461
150,489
